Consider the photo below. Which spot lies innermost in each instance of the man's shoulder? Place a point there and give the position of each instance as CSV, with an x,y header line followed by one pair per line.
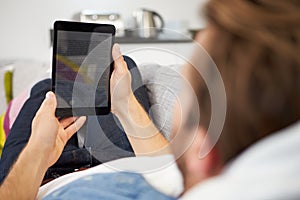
x,y
121,185
155,170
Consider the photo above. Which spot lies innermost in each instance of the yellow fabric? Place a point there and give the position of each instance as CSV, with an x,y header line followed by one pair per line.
x,y
2,133
8,85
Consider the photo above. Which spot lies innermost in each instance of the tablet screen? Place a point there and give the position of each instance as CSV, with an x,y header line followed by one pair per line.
x,y
82,69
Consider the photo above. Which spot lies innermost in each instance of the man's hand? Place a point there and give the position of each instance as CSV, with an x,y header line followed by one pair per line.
x,y
120,83
143,136
47,140
49,135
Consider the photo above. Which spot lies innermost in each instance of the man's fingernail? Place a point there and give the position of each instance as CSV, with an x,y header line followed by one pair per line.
x,y
118,48
48,95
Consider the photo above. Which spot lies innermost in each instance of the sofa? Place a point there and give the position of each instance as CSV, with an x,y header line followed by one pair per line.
x,y
162,83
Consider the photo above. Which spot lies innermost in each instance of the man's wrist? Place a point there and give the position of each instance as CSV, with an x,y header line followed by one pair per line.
x,y
40,158
126,107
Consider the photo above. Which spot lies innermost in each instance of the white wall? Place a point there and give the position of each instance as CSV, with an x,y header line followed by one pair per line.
x,y
25,24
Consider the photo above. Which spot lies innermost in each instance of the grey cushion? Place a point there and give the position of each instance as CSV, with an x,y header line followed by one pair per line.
x,y
163,85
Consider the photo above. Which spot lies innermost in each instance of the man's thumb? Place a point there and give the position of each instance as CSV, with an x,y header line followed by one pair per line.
x,y
49,103
120,65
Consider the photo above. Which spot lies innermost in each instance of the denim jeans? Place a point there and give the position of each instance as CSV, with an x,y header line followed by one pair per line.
x,y
73,157
113,186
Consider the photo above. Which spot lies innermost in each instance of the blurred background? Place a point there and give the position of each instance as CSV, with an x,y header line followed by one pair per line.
x,y
25,42
25,25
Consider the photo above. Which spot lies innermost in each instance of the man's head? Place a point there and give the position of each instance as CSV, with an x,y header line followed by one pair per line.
x,y
256,46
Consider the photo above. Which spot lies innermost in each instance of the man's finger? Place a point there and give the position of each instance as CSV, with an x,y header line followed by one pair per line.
x,y
68,121
120,65
49,104
73,128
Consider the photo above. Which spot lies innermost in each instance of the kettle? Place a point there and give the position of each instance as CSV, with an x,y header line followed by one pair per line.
x,y
145,22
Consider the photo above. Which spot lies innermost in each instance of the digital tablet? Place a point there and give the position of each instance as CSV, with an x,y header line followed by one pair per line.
x,y
81,68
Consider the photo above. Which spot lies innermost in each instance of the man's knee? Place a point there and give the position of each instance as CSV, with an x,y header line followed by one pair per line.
x,y
41,88
130,63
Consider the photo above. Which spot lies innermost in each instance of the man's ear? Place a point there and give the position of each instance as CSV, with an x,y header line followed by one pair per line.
x,y
204,167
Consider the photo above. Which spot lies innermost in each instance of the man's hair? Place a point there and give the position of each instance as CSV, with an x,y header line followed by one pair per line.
x,y
257,51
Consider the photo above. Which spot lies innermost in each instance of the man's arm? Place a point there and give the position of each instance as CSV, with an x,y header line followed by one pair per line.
x,y
142,133
47,140
25,177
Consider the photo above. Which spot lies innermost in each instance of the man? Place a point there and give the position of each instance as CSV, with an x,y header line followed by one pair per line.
x,y
260,69
55,134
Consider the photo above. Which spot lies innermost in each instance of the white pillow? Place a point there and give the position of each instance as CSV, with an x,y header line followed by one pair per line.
x,y
27,73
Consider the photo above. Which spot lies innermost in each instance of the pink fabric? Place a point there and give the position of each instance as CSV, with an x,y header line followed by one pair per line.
x,y
6,121
16,105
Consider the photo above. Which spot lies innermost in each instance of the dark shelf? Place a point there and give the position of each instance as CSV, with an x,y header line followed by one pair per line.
x,y
138,40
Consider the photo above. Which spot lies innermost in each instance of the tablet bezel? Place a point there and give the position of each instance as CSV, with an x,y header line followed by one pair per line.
x,y
81,27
